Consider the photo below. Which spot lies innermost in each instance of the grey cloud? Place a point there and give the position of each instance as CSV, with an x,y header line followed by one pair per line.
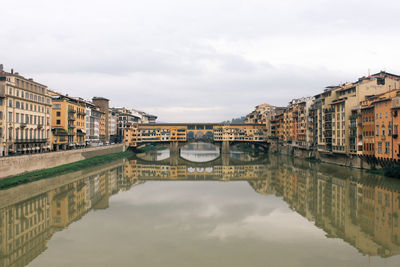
x,y
160,55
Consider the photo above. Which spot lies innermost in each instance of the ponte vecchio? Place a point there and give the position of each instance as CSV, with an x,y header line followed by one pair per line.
x,y
179,134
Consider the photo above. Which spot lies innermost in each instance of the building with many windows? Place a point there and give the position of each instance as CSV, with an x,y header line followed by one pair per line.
x,y
68,121
24,115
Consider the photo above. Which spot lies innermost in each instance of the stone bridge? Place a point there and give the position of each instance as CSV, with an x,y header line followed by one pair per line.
x,y
177,135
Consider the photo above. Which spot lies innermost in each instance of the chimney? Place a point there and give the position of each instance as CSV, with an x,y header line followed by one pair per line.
x,y
1,67
12,71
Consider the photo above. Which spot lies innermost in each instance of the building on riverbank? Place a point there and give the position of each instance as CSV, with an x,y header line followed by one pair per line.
x,y
25,114
358,119
68,122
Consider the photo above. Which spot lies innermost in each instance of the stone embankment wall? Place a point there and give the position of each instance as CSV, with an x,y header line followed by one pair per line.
x,y
338,159
23,192
11,166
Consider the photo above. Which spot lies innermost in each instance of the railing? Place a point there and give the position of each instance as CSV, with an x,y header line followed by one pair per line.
x,y
71,118
30,140
40,126
71,111
22,125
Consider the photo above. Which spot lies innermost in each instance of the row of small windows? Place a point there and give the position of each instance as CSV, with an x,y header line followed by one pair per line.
x,y
29,86
29,96
389,128
28,134
27,106
29,119
379,116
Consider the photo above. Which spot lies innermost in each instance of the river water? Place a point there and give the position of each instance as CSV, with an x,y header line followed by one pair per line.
x,y
202,209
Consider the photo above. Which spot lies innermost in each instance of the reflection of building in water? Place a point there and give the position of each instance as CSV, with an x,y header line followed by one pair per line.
x,y
363,212
24,230
25,226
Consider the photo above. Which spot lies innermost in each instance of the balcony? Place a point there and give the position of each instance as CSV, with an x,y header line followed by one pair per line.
x,y
22,125
70,118
71,111
20,141
40,126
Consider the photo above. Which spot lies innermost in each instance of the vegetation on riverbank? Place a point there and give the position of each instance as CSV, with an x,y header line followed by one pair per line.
x,y
63,169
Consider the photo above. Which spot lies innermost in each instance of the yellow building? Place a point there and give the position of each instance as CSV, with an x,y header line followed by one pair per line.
x,y
68,121
24,115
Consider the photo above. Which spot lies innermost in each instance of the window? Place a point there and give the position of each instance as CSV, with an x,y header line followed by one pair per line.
x,y
387,147
56,106
396,129
58,121
380,147
10,116
17,104
10,91
17,117
10,103
58,113
1,115
377,130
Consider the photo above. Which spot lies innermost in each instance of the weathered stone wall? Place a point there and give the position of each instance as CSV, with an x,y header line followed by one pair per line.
x,y
11,166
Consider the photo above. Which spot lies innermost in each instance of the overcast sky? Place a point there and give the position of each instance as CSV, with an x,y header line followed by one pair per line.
x,y
205,60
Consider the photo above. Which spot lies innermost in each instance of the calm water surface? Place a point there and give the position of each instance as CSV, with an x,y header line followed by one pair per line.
x,y
158,209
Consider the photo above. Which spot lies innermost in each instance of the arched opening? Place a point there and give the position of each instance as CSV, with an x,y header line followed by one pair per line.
x,y
199,152
246,152
154,153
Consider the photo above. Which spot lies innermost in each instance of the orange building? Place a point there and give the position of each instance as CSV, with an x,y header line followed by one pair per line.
x,y
396,125
384,121
368,130
68,121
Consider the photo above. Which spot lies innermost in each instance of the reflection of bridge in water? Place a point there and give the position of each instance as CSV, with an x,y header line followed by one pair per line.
x,y
220,159
362,210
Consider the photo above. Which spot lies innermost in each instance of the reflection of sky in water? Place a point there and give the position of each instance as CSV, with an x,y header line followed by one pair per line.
x,y
198,224
200,152
154,155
